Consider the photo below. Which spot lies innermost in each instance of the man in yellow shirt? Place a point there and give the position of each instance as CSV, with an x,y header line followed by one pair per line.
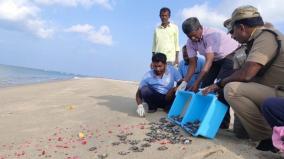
x,y
166,38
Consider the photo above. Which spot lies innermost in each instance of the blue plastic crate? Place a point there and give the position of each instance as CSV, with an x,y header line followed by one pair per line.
x,y
180,105
206,109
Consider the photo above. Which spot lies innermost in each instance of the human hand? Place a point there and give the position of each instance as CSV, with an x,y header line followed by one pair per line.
x,y
140,110
182,86
194,88
211,88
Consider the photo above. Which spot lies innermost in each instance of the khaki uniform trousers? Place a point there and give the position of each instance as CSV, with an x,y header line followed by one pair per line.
x,y
246,100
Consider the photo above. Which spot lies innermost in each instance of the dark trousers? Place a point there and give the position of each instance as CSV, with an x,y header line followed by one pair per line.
x,y
154,99
273,111
220,70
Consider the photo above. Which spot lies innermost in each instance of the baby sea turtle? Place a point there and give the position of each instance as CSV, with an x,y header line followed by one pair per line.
x,y
123,153
162,148
133,142
149,139
115,143
128,134
122,137
193,126
136,149
145,145
103,156
93,148
177,118
163,120
151,123
153,128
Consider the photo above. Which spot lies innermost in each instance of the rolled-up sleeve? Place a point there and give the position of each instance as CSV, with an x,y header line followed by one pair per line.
x,y
263,49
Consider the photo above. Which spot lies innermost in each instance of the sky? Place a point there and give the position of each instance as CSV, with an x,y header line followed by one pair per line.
x,y
103,38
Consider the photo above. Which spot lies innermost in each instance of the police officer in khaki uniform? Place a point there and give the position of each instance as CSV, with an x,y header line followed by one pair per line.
x,y
258,77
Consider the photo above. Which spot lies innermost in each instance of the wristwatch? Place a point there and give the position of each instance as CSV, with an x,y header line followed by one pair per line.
x,y
219,83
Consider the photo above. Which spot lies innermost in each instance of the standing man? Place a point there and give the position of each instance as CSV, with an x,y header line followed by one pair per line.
x,y
157,87
184,64
259,76
166,38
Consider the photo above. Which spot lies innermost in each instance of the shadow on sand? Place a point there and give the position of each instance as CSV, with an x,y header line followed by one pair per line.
x,y
127,105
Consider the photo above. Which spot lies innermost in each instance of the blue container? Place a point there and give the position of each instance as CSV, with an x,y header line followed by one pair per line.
x,y
206,109
180,105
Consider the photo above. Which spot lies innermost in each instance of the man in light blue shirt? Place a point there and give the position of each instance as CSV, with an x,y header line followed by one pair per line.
x,y
157,87
184,64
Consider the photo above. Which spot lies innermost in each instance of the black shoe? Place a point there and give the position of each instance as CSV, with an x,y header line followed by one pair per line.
x,y
225,125
152,110
167,109
266,145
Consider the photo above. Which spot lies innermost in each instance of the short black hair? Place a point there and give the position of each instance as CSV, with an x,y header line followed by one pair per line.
x,y
165,9
250,22
159,57
191,24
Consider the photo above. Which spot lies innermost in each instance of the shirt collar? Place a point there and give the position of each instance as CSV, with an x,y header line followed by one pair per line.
x,y
165,73
255,33
162,27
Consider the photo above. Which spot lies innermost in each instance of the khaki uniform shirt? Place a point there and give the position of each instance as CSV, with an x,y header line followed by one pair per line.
x,y
264,48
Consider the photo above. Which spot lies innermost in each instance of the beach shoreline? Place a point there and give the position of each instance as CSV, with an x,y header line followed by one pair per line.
x,y
44,120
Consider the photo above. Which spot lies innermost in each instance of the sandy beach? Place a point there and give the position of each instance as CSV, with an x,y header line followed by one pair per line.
x,y
81,118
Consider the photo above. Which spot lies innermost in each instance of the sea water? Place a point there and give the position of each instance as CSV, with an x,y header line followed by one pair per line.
x,y
14,75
